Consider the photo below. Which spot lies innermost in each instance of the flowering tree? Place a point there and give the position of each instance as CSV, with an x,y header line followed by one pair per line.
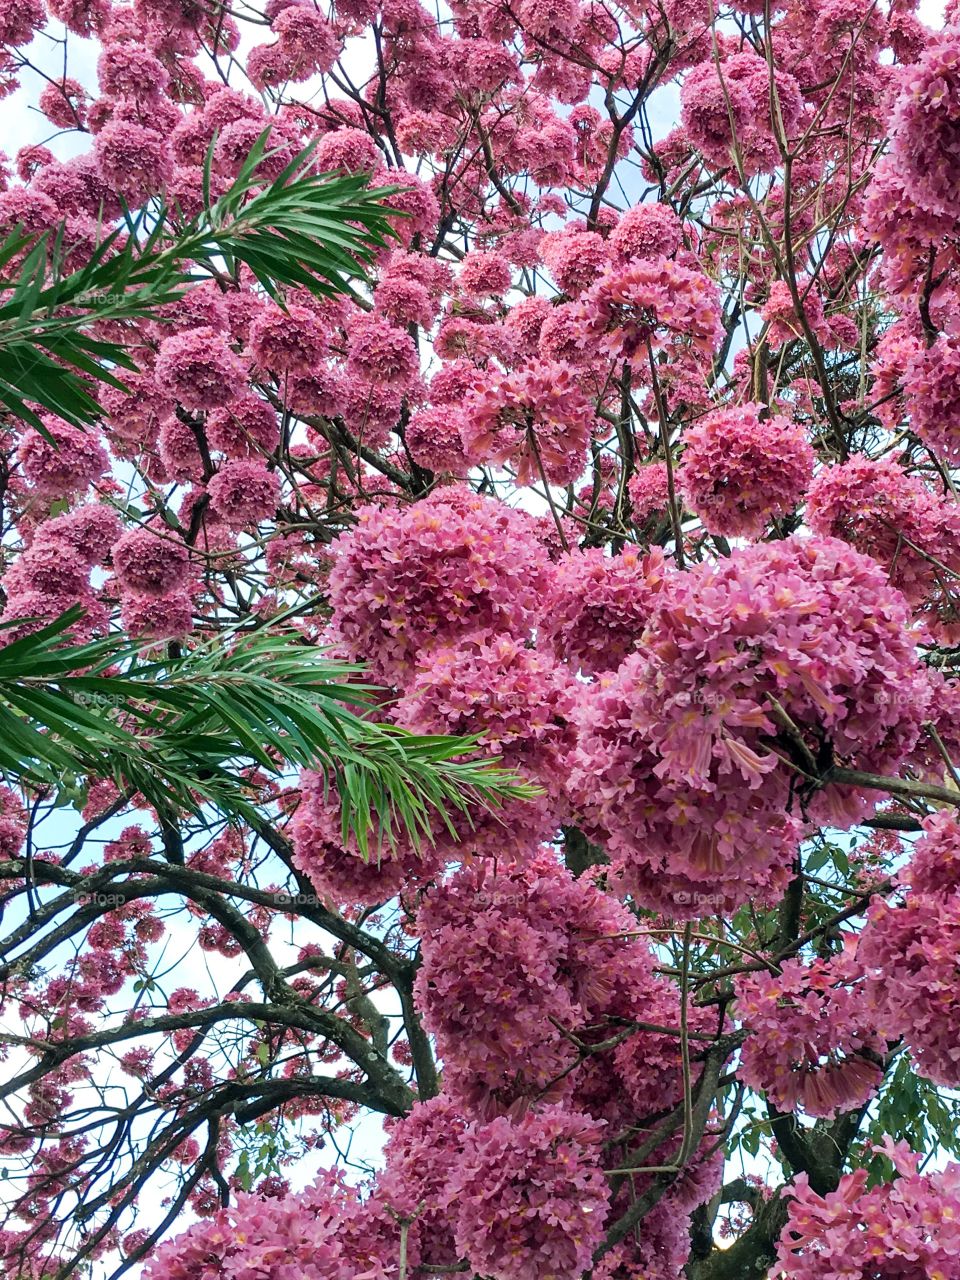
x,y
625,456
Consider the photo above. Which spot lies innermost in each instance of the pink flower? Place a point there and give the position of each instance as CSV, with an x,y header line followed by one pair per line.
x,y
131,71
536,418
529,1196
924,126
380,352
513,954
908,1227
247,426
244,492
19,19
600,606
308,43
575,258
647,231
930,385
351,149
453,563
812,1040
336,866
292,341
65,468
484,273
200,369
151,563
892,516
630,306
679,760
511,698
134,160
741,470
13,824
912,950
433,437
738,92
648,490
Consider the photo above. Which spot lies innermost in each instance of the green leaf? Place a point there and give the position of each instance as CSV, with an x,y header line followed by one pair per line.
x,y
180,730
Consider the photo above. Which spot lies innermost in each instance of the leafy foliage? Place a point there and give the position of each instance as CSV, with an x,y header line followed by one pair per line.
x,y
179,730
304,228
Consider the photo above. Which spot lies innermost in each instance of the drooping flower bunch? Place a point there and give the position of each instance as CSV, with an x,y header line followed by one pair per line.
x,y
908,1227
742,468
911,950
408,579
687,749
513,959
812,1041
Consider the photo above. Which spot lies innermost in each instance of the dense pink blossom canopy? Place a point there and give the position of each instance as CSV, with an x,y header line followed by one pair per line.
x,y
632,455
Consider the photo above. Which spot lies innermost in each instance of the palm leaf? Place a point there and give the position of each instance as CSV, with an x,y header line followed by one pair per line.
x,y
303,229
181,730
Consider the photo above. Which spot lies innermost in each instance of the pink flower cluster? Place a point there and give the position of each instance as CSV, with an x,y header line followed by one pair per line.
x,y
925,131
200,368
726,111
153,570
530,1195
649,301
316,1233
510,697
243,492
909,1227
911,950
337,868
434,439
510,956
409,578
680,758
536,418
13,823
647,231
599,606
53,573
648,489
930,385
65,462
812,1041
891,515
509,1196
742,469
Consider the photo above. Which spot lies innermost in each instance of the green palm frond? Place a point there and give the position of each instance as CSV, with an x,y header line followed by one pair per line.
x,y
181,730
305,229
